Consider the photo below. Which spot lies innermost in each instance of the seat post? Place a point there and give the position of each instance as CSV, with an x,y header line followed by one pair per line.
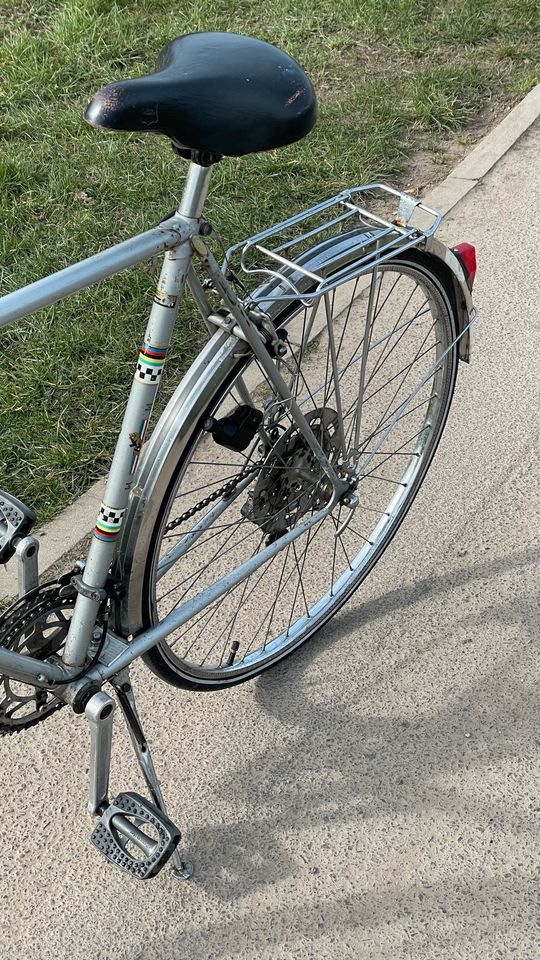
x,y
195,191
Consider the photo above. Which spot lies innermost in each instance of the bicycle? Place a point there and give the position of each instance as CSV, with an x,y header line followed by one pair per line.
x,y
287,457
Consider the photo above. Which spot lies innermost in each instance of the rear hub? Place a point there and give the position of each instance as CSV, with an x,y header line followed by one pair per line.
x,y
292,482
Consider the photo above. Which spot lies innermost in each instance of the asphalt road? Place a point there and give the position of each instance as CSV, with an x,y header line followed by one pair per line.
x,y
378,795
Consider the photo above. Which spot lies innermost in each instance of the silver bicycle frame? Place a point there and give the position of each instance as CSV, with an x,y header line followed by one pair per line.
x,y
176,239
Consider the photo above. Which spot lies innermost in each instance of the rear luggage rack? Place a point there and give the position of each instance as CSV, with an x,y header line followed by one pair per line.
x,y
408,224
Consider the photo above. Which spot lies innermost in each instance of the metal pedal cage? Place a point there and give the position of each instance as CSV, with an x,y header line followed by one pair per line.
x,y
115,829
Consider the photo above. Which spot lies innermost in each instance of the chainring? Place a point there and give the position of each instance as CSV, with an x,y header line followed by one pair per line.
x,y
35,625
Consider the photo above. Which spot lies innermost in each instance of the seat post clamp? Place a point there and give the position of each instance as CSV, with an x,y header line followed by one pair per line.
x,y
98,594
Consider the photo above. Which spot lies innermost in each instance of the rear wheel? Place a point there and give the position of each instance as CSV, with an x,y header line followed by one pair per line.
x,y
372,366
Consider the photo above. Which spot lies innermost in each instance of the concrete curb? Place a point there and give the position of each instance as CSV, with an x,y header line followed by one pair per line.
x,y
486,154
64,533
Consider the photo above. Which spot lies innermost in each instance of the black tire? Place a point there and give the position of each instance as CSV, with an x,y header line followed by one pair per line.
x,y
179,671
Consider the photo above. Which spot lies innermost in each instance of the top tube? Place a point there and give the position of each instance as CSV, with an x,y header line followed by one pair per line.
x,y
84,274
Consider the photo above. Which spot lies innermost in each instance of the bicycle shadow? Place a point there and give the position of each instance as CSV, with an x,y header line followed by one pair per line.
x,y
335,763
353,766
350,924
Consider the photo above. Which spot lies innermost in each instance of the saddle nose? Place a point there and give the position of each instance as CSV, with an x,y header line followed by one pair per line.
x,y
221,93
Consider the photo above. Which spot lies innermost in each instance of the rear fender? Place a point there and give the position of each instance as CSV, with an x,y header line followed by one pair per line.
x,y
440,259
212,367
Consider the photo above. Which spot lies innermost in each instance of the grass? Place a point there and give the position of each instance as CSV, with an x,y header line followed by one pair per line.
x,y
389,73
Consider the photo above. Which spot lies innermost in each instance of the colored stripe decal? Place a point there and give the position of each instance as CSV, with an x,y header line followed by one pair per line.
x,y
108,523
150,352
106,527
150,363
107,537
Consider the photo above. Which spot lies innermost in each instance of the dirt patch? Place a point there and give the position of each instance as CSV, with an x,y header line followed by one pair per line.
x,y
431,156
433,160
20,16
434,154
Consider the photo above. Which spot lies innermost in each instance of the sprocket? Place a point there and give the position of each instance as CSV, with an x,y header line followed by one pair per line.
x,y
36,625
293,482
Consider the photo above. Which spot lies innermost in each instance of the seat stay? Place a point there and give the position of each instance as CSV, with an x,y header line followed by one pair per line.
x,y
252,336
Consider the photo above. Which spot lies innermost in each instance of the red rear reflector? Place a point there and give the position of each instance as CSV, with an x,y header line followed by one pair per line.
x,y
466,255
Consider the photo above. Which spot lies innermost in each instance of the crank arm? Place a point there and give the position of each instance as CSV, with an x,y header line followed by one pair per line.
x,y
122,821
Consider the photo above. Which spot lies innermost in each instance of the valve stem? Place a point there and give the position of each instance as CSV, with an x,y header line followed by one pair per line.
x,y
233,648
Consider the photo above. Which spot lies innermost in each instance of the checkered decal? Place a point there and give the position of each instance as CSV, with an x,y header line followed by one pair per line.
x,y
113,518
108,524
146,373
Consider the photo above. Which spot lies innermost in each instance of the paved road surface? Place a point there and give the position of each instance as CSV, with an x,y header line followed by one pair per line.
x,y
377,796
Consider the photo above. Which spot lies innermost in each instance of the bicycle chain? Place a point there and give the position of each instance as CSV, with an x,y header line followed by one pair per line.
x,y
223,491
20,616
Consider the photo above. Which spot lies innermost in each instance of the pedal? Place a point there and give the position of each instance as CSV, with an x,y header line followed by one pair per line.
x,y
121,825
16,520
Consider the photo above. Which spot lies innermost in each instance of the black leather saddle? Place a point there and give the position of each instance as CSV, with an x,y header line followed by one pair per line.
x,y
219,94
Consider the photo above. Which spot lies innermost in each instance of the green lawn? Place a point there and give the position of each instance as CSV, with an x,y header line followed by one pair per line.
x,y
390,74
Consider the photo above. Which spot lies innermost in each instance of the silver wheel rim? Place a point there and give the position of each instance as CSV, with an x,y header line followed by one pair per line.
x,y
438,390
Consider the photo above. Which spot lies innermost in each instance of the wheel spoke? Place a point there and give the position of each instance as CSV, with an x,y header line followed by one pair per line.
x,y
356,371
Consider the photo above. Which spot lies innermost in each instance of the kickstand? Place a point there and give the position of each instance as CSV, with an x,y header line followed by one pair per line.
x,y
182,869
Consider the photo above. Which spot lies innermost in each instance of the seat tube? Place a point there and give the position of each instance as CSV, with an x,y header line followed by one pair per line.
x,y
150,363
147,375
